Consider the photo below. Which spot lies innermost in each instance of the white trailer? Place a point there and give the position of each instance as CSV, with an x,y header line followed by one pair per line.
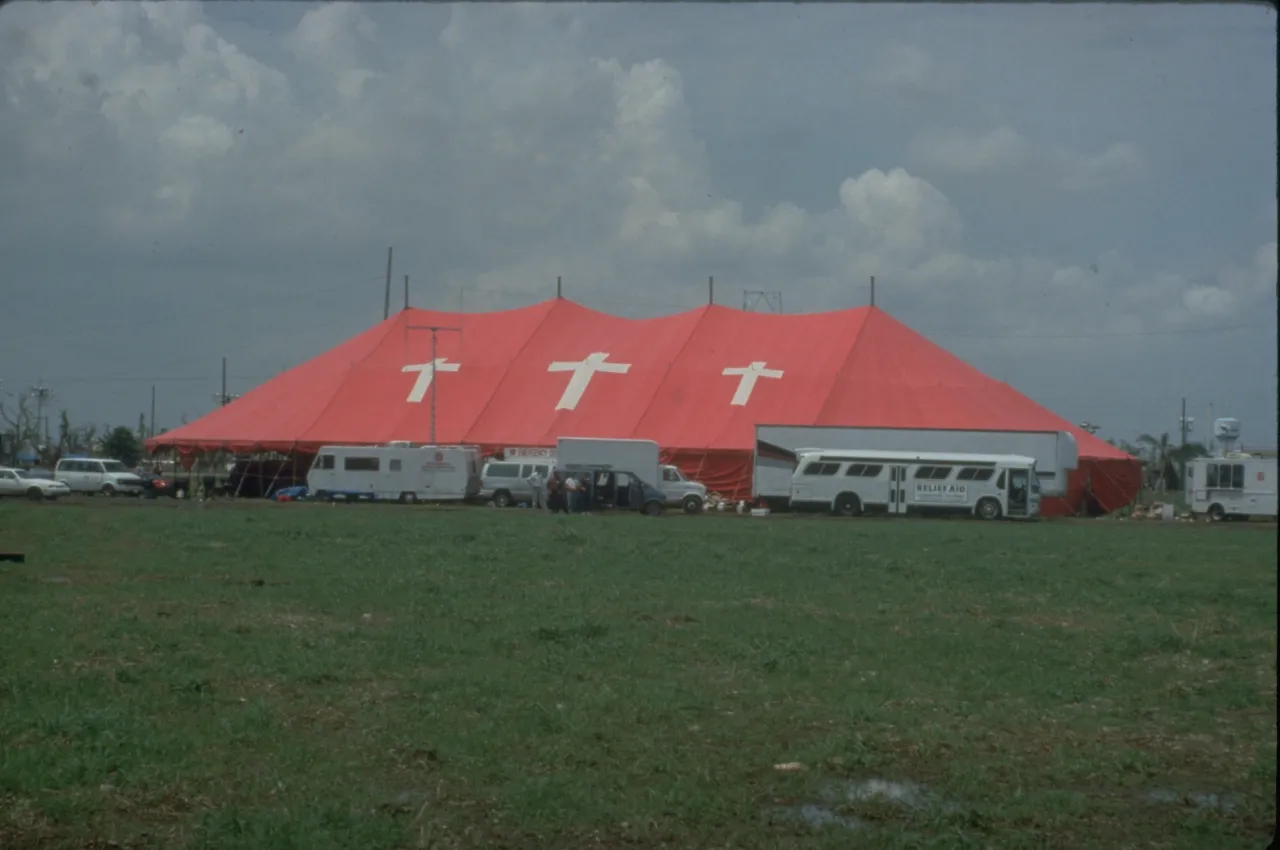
x,y
777,446
1233,487
639,457
399,472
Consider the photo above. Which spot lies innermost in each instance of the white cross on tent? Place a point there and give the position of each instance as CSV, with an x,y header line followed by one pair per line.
x,y
747,377
583,370
426,372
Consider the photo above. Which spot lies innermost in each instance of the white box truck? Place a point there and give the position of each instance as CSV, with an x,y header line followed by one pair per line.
x,y
1234,487
1055,452
639,457
398,472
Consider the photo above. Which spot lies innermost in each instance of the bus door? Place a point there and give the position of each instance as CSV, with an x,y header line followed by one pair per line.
x,y
897,489
1019,491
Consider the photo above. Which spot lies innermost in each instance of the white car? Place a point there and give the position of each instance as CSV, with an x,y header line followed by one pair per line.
x,y
12,483
97,475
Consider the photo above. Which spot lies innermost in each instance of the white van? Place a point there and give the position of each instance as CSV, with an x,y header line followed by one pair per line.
x,y
854,483
97,475
397,472
641,458
1232,487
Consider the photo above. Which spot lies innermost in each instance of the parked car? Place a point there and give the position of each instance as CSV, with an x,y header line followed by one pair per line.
x,y
13,482
97,475
154,485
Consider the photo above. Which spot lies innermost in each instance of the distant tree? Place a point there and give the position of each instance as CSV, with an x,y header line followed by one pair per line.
x,y
122,445
1155,456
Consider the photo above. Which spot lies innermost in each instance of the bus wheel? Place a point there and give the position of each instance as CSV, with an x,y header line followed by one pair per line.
x,y
1216,513
848,504
989,509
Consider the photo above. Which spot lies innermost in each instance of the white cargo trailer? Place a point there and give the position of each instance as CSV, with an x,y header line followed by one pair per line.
x,y
639,457
1233,487
398,472
1055,452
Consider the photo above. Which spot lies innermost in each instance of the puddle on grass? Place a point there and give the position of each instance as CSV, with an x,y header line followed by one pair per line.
x,y
904,794
1200,800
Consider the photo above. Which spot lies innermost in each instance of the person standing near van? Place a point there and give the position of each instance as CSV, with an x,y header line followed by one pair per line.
x,y
535,484
570,494
555,491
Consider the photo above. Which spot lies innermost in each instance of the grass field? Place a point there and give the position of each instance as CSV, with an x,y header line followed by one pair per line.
x,y
296,676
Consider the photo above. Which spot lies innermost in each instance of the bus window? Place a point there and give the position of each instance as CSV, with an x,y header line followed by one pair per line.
x,y
819,468
1000,480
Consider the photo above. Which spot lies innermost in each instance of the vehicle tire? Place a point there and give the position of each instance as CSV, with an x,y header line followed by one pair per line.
x,y
653,508
692,504
848,504
502,499
408,498
1216,513
989,509
35,495
108,490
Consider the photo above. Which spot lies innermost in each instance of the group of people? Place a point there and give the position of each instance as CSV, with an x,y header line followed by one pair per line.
x,y
564,493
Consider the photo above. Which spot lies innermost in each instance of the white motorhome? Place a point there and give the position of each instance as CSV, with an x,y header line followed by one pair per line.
x,y
857,483
640,458
1233,487
777,446
399,472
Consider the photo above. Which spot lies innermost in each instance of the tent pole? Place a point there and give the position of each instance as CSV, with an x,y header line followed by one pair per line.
x,y
386,298
558,295
873,290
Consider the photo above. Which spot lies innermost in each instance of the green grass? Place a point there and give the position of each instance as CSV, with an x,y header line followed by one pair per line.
x,y
293,676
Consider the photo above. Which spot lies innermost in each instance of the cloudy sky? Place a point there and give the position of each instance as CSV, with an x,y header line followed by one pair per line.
x,y
1080,200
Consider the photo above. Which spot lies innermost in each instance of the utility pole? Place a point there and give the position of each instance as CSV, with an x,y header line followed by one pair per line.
x,y
151,427
558,296
406,292
386,298
42,393
435,329
224,398
873,290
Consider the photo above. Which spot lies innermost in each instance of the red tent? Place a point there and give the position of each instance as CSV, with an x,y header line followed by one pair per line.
x,y
697,383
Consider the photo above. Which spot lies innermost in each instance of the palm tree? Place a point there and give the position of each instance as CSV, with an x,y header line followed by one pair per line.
x,y
1155,453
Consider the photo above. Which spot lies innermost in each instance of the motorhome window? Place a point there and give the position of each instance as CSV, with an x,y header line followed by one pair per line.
x,y
819,468
1211,475
1237,476
360,464
395,464
324,462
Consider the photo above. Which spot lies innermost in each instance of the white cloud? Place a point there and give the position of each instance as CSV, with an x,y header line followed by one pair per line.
x,y
908,69
1003,151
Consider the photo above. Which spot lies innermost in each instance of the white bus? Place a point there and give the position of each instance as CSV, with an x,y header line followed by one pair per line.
x,y
1056,452
1232,487
857,483
398,472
